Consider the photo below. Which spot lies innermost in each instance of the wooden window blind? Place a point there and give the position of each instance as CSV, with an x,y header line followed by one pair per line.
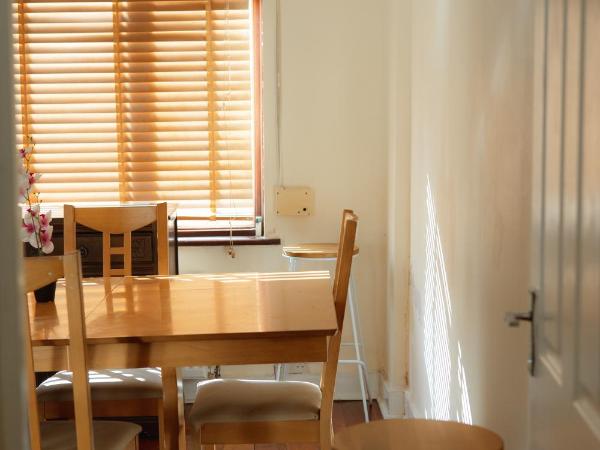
x,y
141,101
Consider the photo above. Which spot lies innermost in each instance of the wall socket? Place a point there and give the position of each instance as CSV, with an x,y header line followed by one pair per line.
x,y
294,201
295,368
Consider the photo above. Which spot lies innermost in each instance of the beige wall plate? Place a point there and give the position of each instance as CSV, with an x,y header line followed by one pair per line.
x,y
294,201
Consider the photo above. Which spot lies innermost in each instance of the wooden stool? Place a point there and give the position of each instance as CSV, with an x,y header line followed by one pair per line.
x,y
416,434
328,252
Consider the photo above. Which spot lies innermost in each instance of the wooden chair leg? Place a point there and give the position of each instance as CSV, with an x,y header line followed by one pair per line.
x,y
326,434
161,426
173,411
196,442
134,444
42,411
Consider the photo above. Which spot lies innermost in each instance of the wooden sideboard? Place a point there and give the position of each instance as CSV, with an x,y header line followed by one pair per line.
x,y
143,248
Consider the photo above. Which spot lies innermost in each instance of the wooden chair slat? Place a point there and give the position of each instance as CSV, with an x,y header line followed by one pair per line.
x,y
119,220
78,352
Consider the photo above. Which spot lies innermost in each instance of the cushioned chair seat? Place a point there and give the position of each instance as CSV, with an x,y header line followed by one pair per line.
x,y
108,435
105,385
222,401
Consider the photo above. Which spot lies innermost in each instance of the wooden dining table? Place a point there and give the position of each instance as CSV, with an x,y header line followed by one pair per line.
x,y
190,320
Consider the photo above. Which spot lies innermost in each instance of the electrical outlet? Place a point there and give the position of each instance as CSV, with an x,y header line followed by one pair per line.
x,y
294,201
295,368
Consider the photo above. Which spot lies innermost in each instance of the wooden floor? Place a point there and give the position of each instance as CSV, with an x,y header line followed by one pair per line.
x,y
344,415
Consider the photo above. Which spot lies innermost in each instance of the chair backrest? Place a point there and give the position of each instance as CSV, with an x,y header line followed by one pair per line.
x,y
40,271
119,220
340,294
344,262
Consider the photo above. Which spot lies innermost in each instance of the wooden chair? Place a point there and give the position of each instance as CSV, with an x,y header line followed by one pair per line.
x,y
83,434
119,220
139,391
416,434
250,412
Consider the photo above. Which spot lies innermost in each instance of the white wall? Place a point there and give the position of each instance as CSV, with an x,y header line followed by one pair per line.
x,y
334,139
472,80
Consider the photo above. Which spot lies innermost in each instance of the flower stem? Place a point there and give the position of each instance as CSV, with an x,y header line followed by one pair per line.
x,y
36,230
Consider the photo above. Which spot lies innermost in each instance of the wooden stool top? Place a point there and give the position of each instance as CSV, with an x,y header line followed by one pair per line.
x,y
313,251
416,434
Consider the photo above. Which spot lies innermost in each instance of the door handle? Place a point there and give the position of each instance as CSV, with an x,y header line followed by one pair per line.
x,y
514,319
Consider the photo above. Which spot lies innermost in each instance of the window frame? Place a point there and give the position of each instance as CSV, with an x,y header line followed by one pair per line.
x,y
255,17
257,117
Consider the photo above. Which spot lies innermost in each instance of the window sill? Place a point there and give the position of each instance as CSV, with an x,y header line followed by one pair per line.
x,y
206,241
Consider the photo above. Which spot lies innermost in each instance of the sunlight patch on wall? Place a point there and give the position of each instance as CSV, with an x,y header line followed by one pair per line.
x,y
448,387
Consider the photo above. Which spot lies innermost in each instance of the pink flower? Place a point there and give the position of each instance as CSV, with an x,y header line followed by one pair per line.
x,y
26,181
33,211
36,228
27,230
26,151
46,240
31,236
45,219
33,177
31,227
23,187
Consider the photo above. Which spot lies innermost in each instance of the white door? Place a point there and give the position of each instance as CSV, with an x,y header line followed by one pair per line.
x,y
565,390
13,425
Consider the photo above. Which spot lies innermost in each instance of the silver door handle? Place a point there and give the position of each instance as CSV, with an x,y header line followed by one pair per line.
x,y
514,319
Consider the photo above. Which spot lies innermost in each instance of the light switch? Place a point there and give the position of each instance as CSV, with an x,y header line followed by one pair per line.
x,y
294,201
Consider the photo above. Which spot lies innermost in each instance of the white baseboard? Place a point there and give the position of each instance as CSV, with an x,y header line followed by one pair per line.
x,y
346,386
391,401
411,410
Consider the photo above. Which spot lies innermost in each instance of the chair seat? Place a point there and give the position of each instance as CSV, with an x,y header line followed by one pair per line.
x,y
111,384
416,434
108,435
223,401
313,251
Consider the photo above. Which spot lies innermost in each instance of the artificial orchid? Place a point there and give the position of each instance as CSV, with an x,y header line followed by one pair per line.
x,y
36,228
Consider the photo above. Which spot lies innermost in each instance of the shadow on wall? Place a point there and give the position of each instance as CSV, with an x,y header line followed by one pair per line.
x,y
441,371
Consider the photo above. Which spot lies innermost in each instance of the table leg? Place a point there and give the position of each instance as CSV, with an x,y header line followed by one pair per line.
x,y
280,369
174,421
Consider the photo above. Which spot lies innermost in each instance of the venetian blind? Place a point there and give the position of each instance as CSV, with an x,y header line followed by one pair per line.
x,y
139,100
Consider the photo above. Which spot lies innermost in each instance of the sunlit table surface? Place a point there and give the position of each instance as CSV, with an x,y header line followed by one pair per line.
x,y
186,320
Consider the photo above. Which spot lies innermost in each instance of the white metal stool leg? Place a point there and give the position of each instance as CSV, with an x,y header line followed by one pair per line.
x,y
357,341
357,344
292,264
362,362
278,372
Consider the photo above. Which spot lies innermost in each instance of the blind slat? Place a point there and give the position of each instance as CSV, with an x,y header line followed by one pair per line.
x,y
138,100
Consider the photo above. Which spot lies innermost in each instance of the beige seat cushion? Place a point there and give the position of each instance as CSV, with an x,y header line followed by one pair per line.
x,y
111,384
108,435
221,401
